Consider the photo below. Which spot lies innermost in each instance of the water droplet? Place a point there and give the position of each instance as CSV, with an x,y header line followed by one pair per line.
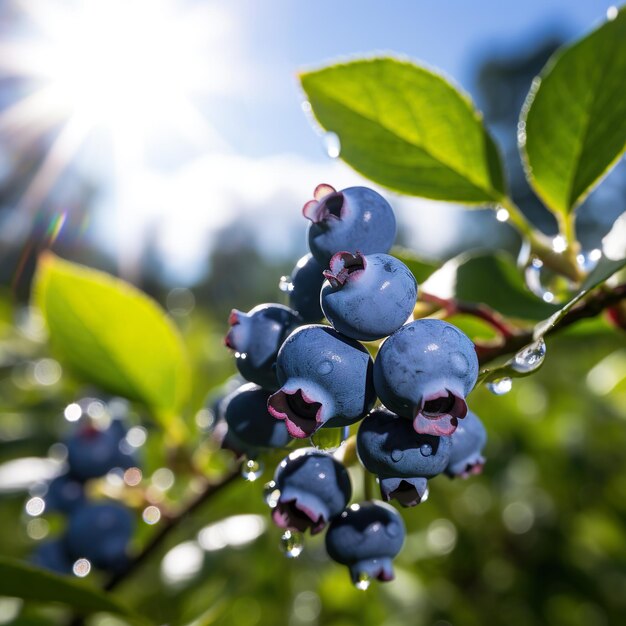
x,y
285,284
363,581
271,494
530,358
151,515
81,568
292,544
329,439
500,387
396,455
547,284
325,367
332,144
251,470
426,449
502,215
588,259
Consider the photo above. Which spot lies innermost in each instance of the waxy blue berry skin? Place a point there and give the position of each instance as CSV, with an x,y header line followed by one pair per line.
x,y
250,426
356,218
368,297
424,371
304,295
256,337
314,488
100,533
64,494
468,441
366,537
326,381
402,459
92,452
53,556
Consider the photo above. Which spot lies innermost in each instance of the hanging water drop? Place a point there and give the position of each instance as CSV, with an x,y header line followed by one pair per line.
x,y
363,581
588,259
251,469
546,284
285,284
501,386
271,494
292,544
332,144
530,358
329,439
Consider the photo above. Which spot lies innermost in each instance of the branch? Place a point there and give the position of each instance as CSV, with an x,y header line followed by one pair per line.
x,y
170,525
484,312
592,306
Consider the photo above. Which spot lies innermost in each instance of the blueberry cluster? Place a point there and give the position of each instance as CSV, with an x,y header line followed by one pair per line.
x,y
306,375
97,533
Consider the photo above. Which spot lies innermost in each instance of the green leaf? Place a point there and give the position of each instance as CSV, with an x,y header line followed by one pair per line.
x,y
490,278
20,580
407,128
420,268
114,336
575,117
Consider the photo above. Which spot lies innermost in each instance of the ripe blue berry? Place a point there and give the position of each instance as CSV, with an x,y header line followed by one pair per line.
x,y
314,488
256,337
92,452
356,218
250,426
424,371
388,446
304,294
64,494
100,533
368,297
53,556
468,441
326,381
366,537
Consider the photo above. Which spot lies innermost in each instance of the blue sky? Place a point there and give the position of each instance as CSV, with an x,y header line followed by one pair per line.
x,y
248,153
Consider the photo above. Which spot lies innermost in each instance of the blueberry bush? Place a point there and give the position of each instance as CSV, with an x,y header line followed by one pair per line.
x,y
335,425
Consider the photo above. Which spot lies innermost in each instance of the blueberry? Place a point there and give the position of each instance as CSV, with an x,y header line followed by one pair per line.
x,y
53,556
326,381
100,533
256,337
468,441
368,297
314,488
388,446
366,537
424,371
250,426
92,452
304,295
356,218
64,494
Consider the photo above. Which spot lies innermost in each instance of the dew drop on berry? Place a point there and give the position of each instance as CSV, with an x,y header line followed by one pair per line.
x,y
426,449
271,494
501,386
325,367
251,469
292,544
396,455
285,284
363,581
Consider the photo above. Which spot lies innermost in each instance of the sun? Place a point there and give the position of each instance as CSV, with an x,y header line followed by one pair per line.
x,y
129,69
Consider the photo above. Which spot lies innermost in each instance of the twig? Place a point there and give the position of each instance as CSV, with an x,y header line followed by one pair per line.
x,y
170,525
484,312
590,307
